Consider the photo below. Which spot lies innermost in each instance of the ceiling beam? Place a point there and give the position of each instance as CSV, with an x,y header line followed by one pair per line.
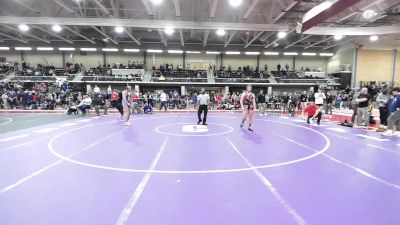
x,y
148,8
255,38
181,37
284,11
277,39
79,34
162,38
319,42
250,9
12,37
151,24
210,17
52,34
101,6
114,8
339,43
301,39
65,6
26,34
132,37
104,34
233,34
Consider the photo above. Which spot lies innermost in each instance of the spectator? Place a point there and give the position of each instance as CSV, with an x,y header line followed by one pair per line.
x,y
362,111
163,99
394,117
85,104
313,111
261,102
382,101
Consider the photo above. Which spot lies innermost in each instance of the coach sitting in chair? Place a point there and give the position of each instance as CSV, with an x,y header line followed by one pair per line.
x,y
100,102
85,104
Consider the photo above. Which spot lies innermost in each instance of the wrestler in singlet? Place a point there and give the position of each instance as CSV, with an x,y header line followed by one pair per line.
x,y
248,102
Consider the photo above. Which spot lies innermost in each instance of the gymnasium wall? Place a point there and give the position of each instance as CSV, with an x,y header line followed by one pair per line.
x,y
124,57
11,56
272,61
397,75
374,65
342,56
236,61
202,60
311,62
44,58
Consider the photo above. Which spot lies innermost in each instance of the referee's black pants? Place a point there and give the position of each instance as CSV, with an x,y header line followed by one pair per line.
x,y
200,111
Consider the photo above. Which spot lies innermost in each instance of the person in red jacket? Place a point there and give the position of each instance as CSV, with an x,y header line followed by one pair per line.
x,y
313,112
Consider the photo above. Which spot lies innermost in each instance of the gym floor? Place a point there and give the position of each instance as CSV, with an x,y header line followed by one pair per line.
x,y
164,170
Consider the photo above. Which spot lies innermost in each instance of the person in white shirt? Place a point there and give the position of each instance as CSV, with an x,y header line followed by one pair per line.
x,y
127,104
203,100
163,99
319,99
85,104
96,89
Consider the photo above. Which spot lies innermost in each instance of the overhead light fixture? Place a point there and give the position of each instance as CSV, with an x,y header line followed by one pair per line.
x,y
23,27
235,3
251,53
45,48
368,14
110,49
154,51
281,34
169,30
23,48
338,37
220,32
193,52
213,53
373,38
131,50
175,51
271,53
4,48
290,53
156,2
309,53
56,28
326,54
232,53
88,49
119,29
106,40
66,49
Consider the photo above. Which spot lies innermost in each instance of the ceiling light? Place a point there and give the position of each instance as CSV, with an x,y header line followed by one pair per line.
x,y
156,2
282,34
66,49
175,51
271,53
4,48
210,52
169,30
290,53
326,54
106,40
368,14
251,53
119,29
373,38
23,27
45,49
235,3
56,28
23,48
232,53
131,50
309,53
220,32
338,37
193,52
154,51
88,49
110,49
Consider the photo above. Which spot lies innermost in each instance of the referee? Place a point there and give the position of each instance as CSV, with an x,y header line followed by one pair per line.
x,y
203,100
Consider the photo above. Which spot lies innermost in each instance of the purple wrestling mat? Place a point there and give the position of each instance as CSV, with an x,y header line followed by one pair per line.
x,y
164,170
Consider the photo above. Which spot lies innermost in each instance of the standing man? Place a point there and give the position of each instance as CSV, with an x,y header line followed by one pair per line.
x,y
203,100
127,104
362,111
261,102
163,99
303,100
248,102
394,117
